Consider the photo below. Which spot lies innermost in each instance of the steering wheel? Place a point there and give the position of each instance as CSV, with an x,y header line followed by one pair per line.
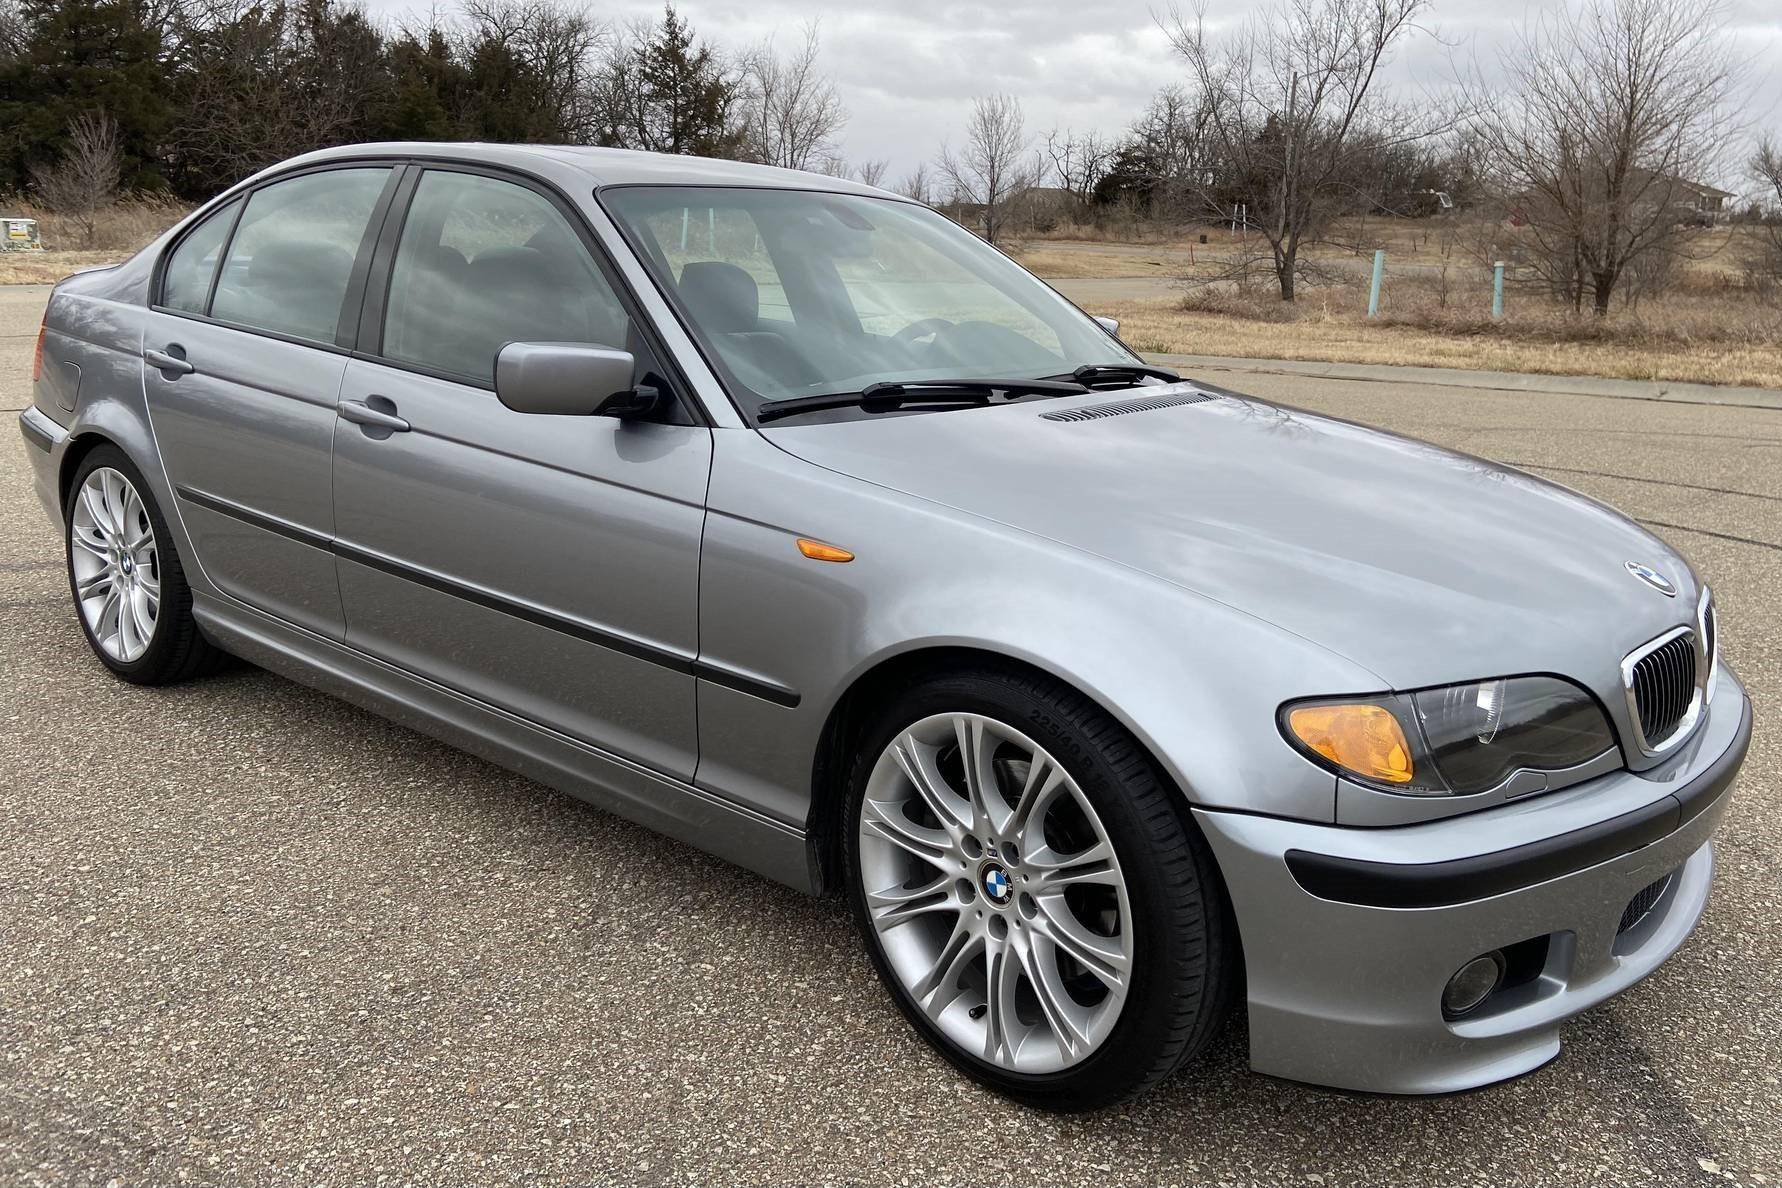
x,y
907,336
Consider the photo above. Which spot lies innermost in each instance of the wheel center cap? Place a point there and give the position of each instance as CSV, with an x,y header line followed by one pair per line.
x,y
998,887
127,564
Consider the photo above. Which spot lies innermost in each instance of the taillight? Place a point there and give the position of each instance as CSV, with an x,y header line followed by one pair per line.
x,y
37,356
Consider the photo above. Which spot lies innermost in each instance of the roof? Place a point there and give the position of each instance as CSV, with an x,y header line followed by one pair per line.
x,y
602,166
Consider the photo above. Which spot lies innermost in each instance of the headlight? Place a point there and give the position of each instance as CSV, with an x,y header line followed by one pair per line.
x,y
1455,740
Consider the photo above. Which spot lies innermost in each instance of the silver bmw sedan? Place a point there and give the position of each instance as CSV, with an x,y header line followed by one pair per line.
x,y
784,516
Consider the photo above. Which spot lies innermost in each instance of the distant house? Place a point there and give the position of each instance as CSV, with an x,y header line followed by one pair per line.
x,y
1028,209
1687,202
1703,203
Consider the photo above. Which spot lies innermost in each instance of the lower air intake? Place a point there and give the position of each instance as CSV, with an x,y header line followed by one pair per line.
x,y
1641,905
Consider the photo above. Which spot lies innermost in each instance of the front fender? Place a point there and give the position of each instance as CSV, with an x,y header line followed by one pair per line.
x,y
1197,682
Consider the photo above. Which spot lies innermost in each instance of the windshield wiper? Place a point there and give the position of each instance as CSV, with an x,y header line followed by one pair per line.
x,y
1096,373
897,393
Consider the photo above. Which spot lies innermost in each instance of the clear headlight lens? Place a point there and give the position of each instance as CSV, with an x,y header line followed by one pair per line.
x,y
1452,741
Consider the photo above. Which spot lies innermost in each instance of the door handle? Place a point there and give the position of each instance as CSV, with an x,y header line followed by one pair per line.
x,y
360,413
167,362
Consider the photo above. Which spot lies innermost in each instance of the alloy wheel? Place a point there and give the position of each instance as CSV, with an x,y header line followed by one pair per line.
x,y
117,573
995,893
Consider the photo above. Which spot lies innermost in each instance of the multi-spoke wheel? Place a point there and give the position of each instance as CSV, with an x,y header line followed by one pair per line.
x,y
134,604
995,892
117,576
1052,924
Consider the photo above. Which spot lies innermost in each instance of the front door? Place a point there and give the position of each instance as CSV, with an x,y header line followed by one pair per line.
x,y
242,367
544,564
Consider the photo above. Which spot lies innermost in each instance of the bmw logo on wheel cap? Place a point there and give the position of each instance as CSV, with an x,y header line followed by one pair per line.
x,y
997,885
1652,578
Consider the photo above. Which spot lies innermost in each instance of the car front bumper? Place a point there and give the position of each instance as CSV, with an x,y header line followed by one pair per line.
x,y
1350,935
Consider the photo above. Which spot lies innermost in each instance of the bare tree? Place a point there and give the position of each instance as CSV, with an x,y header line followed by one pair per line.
x,y
15,33
994,164
1079,160
266,81
917,184
872,173
790,109
559,45
1283,100
84,183
1765,166
1606,113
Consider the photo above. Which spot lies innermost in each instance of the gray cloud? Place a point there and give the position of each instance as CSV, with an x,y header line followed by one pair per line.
x,y
908,69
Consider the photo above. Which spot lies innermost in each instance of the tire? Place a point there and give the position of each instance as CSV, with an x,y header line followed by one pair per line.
x,y
1175,935
171,648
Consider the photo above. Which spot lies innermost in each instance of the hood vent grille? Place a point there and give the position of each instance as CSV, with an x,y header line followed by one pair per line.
x,y
1120,408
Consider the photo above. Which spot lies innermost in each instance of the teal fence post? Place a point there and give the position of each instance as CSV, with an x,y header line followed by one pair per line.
x,y
1497,291
1373,294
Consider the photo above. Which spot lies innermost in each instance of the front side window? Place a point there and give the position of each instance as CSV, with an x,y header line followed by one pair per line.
x,y
801,293
291,260
484,262
186,283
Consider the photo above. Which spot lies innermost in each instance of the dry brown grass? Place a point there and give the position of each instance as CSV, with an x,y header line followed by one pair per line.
x,y
1699,333
46,268
1464,241
1058,262
125,228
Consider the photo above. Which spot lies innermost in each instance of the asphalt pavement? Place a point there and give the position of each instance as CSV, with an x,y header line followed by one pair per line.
x,y
250,934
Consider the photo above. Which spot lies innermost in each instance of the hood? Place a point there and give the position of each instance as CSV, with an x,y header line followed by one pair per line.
x,y
1423,565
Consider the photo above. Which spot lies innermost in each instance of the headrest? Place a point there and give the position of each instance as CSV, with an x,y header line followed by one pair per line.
x,y
291,264
722,296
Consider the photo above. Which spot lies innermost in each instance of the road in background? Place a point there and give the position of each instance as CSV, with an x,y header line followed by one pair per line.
x,y
249,933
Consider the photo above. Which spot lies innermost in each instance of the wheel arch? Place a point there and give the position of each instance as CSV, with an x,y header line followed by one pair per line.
x,y
849,715
74,453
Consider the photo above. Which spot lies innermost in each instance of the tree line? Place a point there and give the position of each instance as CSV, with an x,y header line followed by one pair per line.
x,y
1593,134
193,94
1589,147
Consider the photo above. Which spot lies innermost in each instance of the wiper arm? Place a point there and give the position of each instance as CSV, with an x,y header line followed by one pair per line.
x,y
897,393
1095,373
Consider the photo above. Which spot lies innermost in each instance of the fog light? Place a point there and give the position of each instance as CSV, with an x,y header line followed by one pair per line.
x,y
1473,984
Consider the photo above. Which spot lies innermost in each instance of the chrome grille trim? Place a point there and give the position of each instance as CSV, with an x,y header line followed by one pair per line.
x,y
1666,683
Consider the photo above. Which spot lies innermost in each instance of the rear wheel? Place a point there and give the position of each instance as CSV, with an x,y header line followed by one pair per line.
x,y
125,575
1031,894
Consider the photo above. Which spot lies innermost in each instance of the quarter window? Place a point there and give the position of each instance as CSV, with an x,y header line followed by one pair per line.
x,y
186,284
291,260
484,262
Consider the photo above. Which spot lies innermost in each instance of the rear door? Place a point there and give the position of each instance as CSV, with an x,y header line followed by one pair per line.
x,y
548,565
244,352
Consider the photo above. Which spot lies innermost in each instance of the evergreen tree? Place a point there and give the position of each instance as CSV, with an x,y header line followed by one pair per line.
x,y
426,96
83,57
672,95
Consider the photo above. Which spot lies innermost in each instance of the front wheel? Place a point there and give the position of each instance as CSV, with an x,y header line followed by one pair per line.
x,y
1031,894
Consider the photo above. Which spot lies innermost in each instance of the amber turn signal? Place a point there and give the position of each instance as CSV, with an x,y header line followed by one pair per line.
x,y
1365,739
816,550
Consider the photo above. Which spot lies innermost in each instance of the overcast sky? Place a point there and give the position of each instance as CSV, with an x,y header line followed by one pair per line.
x,y
907,69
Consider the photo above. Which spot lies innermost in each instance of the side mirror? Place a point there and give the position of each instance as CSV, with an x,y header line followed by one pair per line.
x,y
1111,325
573,379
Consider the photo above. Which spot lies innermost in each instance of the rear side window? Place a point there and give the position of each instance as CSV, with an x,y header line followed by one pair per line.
x,y
484,262
186,284
291,260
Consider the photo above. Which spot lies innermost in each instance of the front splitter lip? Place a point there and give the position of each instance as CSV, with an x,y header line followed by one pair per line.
x,y
1348,994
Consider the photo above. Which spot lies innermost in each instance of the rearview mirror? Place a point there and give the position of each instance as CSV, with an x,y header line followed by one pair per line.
x,y
566,379
1111,325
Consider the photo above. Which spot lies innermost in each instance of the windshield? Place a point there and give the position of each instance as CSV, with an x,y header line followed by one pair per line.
x,y
795,293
